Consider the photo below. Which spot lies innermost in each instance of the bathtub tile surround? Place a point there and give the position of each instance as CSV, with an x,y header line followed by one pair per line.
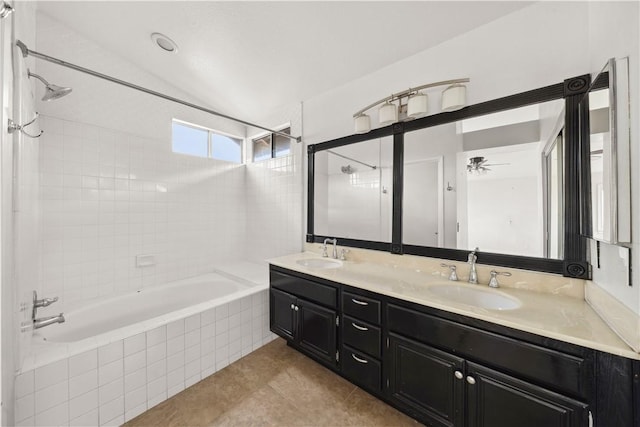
x,y
120,380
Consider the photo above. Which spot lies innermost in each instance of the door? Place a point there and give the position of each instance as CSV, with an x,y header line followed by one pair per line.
x,y
282,316
427,382
422,220
497,400
316,330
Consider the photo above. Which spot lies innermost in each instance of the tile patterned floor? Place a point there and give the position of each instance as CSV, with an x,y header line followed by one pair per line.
x,y
273,386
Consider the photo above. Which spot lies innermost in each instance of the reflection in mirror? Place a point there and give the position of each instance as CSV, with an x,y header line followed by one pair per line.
x,y
480,182
353,192
553,185
608,103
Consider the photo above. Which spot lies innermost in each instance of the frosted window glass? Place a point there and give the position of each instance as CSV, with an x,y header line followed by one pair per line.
x,y
282,145
262,148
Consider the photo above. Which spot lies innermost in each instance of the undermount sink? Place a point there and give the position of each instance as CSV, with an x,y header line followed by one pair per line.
x,y
477,297
320,263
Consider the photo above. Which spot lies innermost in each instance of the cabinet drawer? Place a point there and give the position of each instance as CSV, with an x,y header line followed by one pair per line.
x,y
312,291
560,371
360,307
361,336
361,369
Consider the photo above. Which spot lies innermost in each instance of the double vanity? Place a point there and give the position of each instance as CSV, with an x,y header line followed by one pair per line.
x,y
449,353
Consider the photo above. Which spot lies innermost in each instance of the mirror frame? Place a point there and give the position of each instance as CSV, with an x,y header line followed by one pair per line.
x,y
574,262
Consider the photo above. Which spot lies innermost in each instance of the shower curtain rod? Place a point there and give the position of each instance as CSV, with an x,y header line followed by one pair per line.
x,y
353,160
26,52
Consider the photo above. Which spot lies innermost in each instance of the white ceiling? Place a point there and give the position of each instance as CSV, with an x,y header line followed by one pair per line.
x,y
247,58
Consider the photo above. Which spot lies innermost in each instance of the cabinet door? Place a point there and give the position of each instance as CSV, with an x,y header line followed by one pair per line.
x,y
426,382
282,316
497,400
316,330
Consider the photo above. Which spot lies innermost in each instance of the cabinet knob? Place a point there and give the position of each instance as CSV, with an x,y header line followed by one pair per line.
x,y
471,380
296,308
458,375
293,306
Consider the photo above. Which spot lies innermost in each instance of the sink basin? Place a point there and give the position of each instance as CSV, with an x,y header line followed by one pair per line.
x,y
476,297
320,263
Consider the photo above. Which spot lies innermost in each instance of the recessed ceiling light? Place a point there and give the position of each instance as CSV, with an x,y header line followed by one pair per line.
x,y
164,42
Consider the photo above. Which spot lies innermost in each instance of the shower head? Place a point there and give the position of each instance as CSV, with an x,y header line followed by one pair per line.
x,y
51,91
347,169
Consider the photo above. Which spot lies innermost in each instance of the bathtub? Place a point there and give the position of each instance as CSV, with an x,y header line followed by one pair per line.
x,y
113,359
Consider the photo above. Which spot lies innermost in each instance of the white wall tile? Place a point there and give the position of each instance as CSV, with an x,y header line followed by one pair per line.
x,y
175,329
91,418
156,336
135,361
82,404
132,413
110,372
156,389
135,380
135,344
110,353
55,416
112,410
157,370
192,323
175,345
25,407
51,374
83,383
111,391
51,396
25,384
82,363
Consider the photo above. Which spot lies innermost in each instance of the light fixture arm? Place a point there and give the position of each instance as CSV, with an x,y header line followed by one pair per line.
x,y
410,91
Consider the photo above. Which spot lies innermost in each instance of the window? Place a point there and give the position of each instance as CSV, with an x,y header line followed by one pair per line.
x,y
271,146
202,142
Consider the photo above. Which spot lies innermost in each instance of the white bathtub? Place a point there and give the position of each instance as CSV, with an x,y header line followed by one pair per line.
x,y
114,359
110,314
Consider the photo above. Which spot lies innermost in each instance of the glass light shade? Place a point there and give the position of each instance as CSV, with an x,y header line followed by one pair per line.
x,y
454,97
362,123
388,113
417,105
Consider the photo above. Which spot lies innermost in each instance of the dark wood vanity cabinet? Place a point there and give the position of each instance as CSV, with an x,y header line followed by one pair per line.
x,y
305,314
445,369
361,340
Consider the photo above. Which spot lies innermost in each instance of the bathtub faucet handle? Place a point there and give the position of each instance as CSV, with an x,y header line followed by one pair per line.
x,y
44,302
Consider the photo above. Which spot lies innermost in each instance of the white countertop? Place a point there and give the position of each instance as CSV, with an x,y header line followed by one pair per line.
x,y
560,317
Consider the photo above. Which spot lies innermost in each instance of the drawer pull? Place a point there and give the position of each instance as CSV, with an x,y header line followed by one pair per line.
x,y
357,359
458,375
358,327
359,302
471,380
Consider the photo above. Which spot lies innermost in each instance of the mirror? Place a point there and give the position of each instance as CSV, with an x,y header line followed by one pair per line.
x,y
607,104
492,182
353,190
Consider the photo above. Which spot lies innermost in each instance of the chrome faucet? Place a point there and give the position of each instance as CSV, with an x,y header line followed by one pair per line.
x,y
473,274
335,248
46,321
493,281
453,275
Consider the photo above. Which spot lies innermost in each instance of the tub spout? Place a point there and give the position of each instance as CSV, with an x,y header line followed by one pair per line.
x,y
46,321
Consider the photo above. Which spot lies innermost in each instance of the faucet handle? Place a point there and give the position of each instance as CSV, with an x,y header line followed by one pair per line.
x,y
343,254
44,302
493,281
453,275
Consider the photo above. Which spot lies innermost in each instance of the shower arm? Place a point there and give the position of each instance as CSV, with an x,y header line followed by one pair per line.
x,y
27,52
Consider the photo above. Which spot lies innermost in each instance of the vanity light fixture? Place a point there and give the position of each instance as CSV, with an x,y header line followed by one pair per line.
x,y
412,103
164,42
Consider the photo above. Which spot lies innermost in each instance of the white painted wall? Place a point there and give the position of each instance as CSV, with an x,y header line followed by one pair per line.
x,y
614,32
539,45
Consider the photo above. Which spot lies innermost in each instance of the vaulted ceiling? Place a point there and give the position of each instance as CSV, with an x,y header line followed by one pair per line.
x,y
247,58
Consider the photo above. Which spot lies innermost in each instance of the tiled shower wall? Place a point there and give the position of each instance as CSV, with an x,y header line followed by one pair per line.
x,y
109,196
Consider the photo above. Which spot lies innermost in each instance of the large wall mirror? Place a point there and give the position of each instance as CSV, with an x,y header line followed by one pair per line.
x,y
500,176
481,183
354,189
